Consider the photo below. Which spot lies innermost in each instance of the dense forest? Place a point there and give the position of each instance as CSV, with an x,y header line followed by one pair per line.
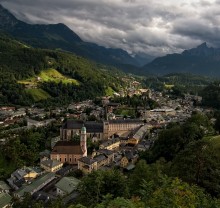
x,y
21,62
211,95
184,82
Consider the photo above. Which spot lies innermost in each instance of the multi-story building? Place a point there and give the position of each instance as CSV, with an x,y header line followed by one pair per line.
x,y
99,130
98,159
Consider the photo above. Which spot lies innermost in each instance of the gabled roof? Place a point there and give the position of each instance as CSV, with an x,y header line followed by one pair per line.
x,y
94,127
68,184
73,124
91,126
99,158
51,163
110,142
35,184
67,147
87,160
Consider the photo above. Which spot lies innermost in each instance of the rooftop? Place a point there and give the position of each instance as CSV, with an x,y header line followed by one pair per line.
x,y
91,126
67,147
105,151
5,199
36,183
68,184
51,163
125,121
99,158
110,142
87,160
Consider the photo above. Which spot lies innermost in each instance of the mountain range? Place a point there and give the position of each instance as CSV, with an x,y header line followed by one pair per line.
x,y
202,60
60,37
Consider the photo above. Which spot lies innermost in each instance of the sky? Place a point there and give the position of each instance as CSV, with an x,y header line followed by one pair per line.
x,y
154,27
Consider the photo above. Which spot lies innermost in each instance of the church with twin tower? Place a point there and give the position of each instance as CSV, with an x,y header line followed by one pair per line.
x,y
70,151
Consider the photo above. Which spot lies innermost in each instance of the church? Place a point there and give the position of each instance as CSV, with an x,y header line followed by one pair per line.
x,y
102,130
70,151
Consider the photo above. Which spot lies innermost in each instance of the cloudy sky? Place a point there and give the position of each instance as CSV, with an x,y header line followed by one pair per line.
x,y
154,27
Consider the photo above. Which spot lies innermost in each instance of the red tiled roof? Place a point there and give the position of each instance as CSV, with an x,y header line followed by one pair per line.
x,y
67,147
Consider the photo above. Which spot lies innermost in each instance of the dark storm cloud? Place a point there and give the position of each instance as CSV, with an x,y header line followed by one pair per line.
x,y
154,27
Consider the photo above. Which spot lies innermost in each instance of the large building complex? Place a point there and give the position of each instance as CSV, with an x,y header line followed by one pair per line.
x,y
99,130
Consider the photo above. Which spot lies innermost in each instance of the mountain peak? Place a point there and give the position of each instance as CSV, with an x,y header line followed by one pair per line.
x,y
200,50
7,19
203,45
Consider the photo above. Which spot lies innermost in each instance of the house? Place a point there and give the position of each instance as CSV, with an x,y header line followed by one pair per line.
x,y
5,200
4,187
66,185
35,185
99,159
129,157
108,153
87,165
51,165
20,176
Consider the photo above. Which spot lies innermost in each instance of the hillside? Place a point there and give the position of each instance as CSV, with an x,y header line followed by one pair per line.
x,y
38,94
48,75
201,60
60,37
183,82
29,75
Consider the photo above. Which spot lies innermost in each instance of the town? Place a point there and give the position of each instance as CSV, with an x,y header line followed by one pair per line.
x,y
90,136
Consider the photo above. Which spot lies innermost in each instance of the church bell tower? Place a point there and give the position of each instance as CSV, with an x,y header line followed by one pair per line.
x,y
83,141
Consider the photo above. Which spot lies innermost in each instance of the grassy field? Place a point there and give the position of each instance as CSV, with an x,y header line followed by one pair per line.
x,y
49,75
55,76
167,86
38,94
109,91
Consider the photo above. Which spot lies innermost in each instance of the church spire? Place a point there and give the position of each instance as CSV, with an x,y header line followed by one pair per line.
x,y
83,141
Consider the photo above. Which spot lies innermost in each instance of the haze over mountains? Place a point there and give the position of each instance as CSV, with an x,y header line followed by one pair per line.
x,y
201,60
59,36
